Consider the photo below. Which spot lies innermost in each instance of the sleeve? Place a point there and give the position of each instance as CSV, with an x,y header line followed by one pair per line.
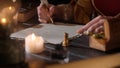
x,y
82,11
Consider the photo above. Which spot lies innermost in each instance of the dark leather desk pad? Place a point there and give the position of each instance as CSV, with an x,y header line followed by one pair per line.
x,y
78,50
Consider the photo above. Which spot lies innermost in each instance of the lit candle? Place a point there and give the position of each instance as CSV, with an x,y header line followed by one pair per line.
x,y
3,21
34,44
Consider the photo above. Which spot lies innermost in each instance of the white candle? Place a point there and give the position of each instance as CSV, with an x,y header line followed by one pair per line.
x,y
34,44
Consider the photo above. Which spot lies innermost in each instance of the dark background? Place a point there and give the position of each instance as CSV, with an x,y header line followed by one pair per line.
x,y
33,3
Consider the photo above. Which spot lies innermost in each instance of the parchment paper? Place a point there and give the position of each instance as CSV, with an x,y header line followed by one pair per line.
x,y
50,32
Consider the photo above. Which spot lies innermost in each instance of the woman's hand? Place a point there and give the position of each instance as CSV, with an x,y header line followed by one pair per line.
x,y
45,12
94,26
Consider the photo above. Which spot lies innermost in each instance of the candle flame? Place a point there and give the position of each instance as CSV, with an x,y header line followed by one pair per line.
x,y
33,36
10,8
3,20
14,0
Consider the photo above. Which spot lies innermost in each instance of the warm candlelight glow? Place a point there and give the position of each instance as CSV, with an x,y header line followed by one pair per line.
x,y
33,36
8,11
3,21
34,44
11,52
10,8
14,0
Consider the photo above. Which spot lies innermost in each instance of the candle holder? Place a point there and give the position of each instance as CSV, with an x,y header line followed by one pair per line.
x,y
10,51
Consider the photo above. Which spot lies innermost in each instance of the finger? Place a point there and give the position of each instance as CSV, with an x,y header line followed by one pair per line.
x,y
99,29
95,20
81,30
42,20
96,25
51,10
42,11
42,14
43,17
40,8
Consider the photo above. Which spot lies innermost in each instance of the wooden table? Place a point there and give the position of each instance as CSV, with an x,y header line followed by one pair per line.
x,y
81,56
